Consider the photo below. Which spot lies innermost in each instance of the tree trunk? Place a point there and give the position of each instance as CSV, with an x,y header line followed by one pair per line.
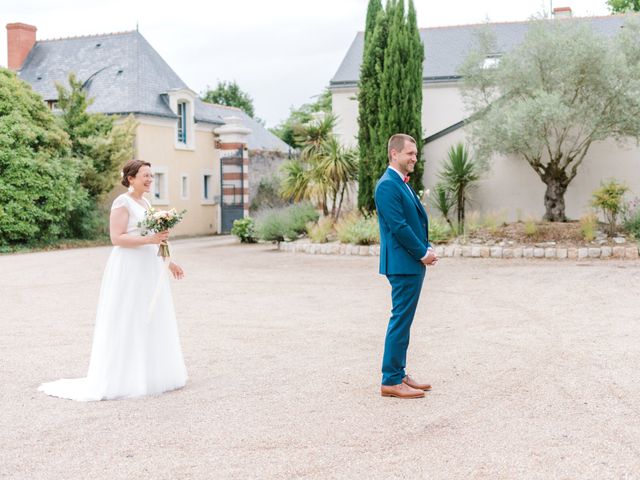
x,y
344,188
460,209
554,199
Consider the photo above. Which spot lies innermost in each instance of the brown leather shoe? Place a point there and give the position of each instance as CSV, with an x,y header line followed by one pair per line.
x,y
417,385
400,391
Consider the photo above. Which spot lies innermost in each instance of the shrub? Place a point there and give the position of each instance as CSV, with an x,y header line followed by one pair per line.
x,y
632,218
439,231
319,232
273,225
358,230
472,222
268,194
244,229
492,221
299,215
530,227
589,226
287,223
608,198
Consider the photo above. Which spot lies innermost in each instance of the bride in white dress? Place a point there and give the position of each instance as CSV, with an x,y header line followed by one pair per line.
x,y
136,348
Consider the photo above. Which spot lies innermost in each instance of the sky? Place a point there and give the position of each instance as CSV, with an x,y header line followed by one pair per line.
x,y
283,53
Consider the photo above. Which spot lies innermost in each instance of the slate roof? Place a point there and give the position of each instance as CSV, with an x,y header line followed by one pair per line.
x,y
445,48
124,74
121,71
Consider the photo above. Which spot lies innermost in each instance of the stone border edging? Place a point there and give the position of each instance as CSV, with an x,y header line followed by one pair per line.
x,y
473,251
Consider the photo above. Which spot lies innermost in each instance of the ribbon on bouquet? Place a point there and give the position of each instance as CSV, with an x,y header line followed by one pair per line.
x,y
162,276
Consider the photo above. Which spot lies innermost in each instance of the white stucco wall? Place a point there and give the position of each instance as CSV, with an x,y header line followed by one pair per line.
x,y
510,185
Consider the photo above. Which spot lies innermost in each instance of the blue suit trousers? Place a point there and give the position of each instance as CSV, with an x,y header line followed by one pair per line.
x,y
405,293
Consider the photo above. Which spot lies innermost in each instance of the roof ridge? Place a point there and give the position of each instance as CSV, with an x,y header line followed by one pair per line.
x,y
75,37
511,22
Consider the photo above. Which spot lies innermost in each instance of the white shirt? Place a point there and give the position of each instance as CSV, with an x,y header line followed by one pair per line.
x,y
402,177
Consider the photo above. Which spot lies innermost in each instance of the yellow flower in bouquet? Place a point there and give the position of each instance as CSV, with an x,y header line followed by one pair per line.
x,y
160,221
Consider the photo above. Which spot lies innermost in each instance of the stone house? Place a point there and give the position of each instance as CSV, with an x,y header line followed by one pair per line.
x,y
200,152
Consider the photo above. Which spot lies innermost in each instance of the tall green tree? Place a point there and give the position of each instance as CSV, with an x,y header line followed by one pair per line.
x,y
38,189
231,95
291,130
398,70
623,6
100,146
375,40
548,105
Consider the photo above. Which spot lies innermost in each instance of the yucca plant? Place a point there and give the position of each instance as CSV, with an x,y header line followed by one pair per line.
x,y
443,202
459,173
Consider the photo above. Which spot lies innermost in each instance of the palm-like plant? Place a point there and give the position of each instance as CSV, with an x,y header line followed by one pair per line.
x,y
313,135
338,167
459,173
324,169
442,200
296,181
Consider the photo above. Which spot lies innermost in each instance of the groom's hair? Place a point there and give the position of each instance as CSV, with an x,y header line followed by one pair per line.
x,y
397,141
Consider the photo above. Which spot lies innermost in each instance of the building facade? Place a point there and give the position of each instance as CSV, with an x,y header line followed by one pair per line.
x,y
184,138
510,186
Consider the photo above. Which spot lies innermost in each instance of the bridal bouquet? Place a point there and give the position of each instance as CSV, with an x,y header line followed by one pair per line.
x,y
159,221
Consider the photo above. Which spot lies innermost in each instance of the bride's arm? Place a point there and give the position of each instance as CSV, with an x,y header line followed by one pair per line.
x,y
118,231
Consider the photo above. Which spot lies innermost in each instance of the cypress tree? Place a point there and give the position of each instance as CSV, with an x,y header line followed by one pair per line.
x,y
368,93
400,100
414,92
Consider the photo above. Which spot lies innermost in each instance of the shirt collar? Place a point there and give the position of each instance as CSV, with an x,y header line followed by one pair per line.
x,y
397,171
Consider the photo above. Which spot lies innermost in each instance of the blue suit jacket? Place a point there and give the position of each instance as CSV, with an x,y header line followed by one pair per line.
x,y
404,226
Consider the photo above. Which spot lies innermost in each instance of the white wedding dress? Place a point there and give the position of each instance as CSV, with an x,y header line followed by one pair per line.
x,y
136,348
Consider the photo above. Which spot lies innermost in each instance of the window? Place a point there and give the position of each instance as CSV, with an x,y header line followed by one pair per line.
x,y
207,193
184,187
181,102
158,186
491,61
160,192
182,122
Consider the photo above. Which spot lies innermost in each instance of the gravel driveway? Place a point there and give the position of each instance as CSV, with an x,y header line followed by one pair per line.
x,y
534,366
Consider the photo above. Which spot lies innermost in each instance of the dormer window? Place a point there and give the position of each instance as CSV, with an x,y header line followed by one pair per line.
x,y
182,102
491,61
182,122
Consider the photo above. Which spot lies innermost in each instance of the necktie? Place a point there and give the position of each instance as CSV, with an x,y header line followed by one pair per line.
x,y
406,179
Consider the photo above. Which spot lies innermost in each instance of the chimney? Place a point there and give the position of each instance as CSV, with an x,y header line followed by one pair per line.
x,y
562,12
20,40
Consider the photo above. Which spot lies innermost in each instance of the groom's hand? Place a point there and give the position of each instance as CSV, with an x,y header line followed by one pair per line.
x,y
430,258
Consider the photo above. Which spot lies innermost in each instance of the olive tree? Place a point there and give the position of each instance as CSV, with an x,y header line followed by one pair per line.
x,y
550,98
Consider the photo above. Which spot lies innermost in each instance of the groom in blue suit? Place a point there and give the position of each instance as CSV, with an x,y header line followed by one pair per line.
x,y
404,253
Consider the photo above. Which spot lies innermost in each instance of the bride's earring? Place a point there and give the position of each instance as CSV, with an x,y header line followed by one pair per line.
x,y
130,189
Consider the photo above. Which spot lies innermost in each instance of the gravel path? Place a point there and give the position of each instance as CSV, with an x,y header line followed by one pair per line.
x,y
534,366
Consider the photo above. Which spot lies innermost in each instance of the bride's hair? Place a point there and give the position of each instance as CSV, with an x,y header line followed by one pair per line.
x,y
130,169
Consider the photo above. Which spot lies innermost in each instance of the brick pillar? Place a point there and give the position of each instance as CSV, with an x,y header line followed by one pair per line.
x,y
232,142
20,40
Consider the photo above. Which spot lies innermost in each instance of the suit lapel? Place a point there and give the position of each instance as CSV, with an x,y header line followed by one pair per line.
x,y
408,191
417,201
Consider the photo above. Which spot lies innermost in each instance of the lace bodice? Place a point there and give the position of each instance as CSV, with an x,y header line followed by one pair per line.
x,y
135,209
